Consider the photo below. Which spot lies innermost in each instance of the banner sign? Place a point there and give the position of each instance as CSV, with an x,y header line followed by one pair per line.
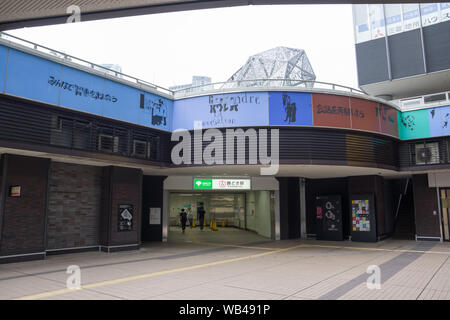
x,y
222,110
222,184
354,113
50,82
290,108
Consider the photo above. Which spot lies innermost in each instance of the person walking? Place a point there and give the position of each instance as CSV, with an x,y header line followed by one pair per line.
x,y
183,218
190,217
201,216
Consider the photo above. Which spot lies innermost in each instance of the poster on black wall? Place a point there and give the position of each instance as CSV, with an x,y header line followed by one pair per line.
x,y
363,217
329,217
125,217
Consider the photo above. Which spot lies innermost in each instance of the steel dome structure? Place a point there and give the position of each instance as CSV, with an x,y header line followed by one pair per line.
x,y
291,66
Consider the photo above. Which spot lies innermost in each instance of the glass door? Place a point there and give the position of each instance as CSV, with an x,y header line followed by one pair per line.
x,y
445,208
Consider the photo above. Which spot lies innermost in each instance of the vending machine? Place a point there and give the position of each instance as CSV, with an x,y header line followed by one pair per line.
x,y
329,218
363,218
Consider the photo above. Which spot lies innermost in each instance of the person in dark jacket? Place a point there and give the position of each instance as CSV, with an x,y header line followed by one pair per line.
x,y
201,216
183,218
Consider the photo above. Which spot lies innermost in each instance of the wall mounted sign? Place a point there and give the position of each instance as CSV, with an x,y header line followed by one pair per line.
x,y
222,184
329,217
222,110
290,108
155,216
15,191
125,217
363,216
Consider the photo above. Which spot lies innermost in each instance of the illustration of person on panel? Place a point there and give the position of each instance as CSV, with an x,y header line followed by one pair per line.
x,y
289,108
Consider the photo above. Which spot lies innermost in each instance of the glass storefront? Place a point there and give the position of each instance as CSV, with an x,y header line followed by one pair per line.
x,y
250,210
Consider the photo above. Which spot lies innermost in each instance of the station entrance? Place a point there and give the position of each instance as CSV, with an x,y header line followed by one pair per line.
x,y
228,216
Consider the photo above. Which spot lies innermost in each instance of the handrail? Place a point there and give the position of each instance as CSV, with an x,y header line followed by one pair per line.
x,y
185,91
67,57
263,83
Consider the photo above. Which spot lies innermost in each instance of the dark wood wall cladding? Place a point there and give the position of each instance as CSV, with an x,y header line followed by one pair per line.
x,y
68,130
24,217
152,197
122,186
289,207
316,187
425,202
301,145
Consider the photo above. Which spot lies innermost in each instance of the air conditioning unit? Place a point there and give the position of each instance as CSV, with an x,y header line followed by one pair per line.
x,y
108,143
427,153
141,148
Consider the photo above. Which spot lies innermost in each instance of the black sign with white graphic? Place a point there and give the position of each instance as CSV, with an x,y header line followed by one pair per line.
x,y
329,217
125,217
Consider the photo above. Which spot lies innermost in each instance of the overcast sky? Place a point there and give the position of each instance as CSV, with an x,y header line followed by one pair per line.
x,y
170,48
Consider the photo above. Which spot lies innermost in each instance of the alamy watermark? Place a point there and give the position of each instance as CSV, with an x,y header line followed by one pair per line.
x,y
218,153
74,280
75,13
374,281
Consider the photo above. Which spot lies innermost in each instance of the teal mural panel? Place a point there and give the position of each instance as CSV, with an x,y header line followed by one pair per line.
x,y
414,124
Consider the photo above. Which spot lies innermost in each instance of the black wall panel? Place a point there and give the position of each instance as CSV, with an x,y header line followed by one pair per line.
x,y
152,197
437,46
372,61
406,54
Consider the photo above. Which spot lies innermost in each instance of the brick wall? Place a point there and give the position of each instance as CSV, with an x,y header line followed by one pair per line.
x,y
122,186
74,206
23,218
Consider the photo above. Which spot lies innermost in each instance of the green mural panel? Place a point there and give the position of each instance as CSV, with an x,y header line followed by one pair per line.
x,y
414,124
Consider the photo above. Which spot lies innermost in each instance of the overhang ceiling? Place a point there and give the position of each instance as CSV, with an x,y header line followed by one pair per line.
x,y
305,171
411,86
28,13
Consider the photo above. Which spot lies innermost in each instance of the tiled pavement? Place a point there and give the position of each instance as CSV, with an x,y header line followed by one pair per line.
x,y
232,264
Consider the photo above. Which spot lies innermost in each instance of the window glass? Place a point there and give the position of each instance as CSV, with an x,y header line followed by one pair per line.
x,y
411,16
394,22
429,13
376,17
361,23
445,11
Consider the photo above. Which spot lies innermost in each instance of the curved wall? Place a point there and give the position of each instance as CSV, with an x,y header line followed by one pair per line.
x,y
285,108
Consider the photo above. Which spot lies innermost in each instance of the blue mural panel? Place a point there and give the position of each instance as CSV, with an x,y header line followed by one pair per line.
x,y
82,91
126,107
28,77
290,108
439,120
155,111
222,110
3,61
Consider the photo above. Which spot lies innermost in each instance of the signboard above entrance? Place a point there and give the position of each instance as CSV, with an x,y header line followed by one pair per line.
x,y
222,184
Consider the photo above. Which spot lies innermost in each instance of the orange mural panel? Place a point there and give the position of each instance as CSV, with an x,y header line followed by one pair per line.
x,y
331,110
388,120
365,115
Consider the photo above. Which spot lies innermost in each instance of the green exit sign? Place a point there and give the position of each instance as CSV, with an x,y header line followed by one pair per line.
x,y
202,183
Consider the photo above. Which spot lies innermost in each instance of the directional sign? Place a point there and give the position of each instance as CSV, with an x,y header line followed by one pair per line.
x,y
222,184
202,183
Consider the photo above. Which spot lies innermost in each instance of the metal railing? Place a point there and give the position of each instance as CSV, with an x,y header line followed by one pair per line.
x,y
425,101
217,86
69,58
265,83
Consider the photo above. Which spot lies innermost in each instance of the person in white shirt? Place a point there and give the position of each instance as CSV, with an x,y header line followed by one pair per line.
x,y
189,216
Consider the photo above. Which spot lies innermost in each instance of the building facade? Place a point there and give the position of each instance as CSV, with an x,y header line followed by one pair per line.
x,y
87,160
